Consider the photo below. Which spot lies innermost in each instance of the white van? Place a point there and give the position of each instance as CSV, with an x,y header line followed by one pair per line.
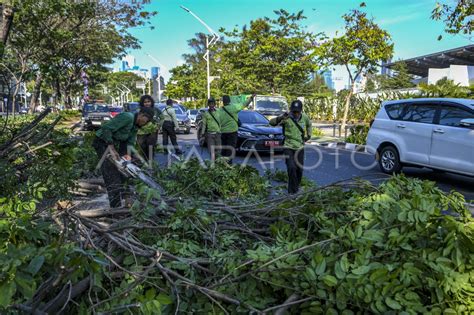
x,y
437,133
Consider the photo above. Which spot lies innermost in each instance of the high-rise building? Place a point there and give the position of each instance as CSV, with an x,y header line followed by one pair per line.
x,y
327,76
154,72
128,62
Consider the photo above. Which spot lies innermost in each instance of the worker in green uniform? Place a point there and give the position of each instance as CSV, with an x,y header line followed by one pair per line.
x,y
297,129
114,137
169,125
229,114
212,129
148,134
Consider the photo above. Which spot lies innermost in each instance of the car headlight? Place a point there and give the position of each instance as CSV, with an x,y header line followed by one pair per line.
x,y
106,118
245,134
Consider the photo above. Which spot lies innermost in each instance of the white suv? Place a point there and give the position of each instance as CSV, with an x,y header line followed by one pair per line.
x,y
437,133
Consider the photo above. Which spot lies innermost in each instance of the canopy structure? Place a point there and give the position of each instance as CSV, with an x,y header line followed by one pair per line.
x,y
420,66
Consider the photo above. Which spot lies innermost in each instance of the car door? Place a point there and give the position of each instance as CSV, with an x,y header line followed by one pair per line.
x,y
453,145
414,127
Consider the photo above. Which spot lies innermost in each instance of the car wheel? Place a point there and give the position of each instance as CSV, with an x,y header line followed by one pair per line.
x,y
389,160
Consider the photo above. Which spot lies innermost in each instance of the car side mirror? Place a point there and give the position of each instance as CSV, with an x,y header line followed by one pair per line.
x,y
468,123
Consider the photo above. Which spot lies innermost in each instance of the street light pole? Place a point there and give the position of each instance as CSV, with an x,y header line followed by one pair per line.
x,y
214,38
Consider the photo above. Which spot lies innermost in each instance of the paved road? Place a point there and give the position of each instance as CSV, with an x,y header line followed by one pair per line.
x,y
332,165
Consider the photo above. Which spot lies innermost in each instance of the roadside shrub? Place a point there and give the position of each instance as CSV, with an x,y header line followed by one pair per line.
x,y
358,134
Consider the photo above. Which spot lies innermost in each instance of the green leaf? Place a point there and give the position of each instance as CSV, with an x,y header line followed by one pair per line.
x,y
367,215
35,265
164,299
340,274
344,263
321,268
392,303
329,280
361,270
7,290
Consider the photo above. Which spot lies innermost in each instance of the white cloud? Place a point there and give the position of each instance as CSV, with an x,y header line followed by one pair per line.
x,y
398,19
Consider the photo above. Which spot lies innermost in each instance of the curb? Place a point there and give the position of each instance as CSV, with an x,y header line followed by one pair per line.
x,y
340,145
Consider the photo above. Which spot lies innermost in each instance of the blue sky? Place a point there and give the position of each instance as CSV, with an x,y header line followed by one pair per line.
x,y
408,21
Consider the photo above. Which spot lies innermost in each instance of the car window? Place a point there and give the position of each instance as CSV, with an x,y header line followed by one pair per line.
x,y
452,116
421,113
177,109
249,117
95,108
395,111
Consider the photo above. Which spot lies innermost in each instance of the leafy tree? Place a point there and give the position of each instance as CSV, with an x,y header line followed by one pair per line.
x,y
62,38
189,80
117,80
457,18
360,50
400,80
274,55
315,88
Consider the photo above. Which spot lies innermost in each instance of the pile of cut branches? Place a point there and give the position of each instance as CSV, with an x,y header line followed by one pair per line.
x,y
345,248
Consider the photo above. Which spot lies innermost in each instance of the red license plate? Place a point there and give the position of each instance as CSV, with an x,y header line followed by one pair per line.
x,y
272,143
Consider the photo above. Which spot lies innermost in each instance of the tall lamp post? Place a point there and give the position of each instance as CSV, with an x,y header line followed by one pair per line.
x,y
211,39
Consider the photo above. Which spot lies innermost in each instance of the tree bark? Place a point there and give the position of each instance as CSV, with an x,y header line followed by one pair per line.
x,y
6,21
346,107
36,92
57,96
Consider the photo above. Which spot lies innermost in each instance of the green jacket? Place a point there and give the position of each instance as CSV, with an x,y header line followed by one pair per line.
x,y
168,114
293,138
229,120
210,124
151,126
121,128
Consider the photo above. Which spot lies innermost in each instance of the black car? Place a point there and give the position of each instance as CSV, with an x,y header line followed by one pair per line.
x,y
255,133
94,115
184,123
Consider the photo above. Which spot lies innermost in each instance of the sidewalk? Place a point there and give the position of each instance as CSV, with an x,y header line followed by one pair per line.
x,y
336,142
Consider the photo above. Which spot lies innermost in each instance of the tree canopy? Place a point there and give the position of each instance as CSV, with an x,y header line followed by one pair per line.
x,y
271,55
60,39
458,18
361,49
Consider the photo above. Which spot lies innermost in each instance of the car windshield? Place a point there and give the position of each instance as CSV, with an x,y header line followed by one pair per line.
x,y
177,109
249,117
271,103
133,107
193,112
95,108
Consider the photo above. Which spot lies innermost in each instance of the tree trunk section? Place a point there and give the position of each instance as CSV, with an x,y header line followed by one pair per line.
x,y
57,96
346,108
36,92
6,21
15,94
